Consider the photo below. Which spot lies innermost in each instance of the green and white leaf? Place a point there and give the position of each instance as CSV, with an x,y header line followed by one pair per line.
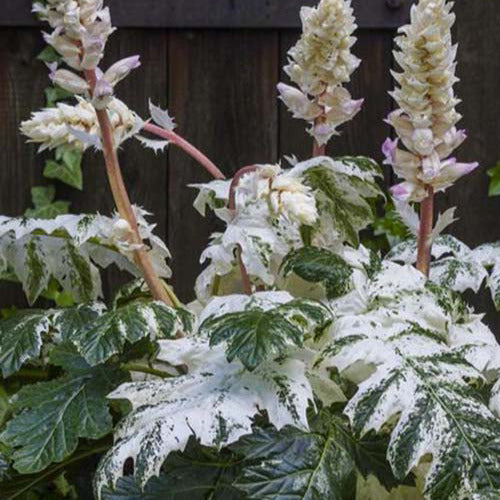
x,y
68,249
489,255
216,402
495,399
341,188
297,464
52,416
266,232
21,339
4,467
107,334
435,413
318,265
255,335
456,266
23,334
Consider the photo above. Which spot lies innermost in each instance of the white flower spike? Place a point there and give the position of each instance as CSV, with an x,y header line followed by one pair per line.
x,y
81,30
427,117
320,63
54,127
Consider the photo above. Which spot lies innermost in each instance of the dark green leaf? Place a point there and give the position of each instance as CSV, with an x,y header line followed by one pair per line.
x,y
52,416
44,205
297,465
318,265
253,336
49,55
66,168
196,474
55,94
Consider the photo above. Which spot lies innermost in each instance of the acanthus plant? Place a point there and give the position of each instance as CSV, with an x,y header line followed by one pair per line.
x,y
308,367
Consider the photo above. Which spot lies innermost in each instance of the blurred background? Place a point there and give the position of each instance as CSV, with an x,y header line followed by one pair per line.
x,y
215,65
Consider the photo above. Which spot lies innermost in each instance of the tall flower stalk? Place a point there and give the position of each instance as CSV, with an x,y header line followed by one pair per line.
x,y
425,122
320,64
80,32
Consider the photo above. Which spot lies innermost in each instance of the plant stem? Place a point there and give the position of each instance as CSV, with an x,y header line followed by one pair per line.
x,y
247,284
195,153
122,200
425,233
318,150
132,367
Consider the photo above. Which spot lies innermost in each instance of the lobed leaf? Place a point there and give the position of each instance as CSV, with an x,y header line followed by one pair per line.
x,y
107,334
215,402
297,464
52,416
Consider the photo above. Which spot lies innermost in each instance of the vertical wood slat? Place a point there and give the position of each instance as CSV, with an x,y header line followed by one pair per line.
x,y
23,81
478,68
222,93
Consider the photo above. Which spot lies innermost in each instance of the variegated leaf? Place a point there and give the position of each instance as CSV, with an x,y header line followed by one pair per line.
x,y
436,414
455,266
196,474
21,338
255,335
216,402
106,335
68,249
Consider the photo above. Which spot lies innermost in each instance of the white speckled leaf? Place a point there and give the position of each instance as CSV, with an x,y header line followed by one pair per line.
x,y
21,338
495,399
455,266
68,248
437,414
216,402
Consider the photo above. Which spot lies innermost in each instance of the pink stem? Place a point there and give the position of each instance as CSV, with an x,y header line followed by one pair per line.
x,y
122,200
425,233
318,150
187,147
247,285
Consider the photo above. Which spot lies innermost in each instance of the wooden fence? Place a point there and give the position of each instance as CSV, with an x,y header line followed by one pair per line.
x,y
215,64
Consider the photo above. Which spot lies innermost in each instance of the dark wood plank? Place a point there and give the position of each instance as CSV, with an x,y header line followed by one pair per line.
x,y
222,93
23,81
479,70
366,132
219,13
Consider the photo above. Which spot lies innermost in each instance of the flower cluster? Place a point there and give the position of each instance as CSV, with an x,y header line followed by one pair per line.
x,y
320,63
285,194
81,30
78,126
426,119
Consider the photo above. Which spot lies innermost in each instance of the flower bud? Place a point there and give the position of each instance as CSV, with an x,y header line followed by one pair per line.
x,y
69,81
121,69
298,103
